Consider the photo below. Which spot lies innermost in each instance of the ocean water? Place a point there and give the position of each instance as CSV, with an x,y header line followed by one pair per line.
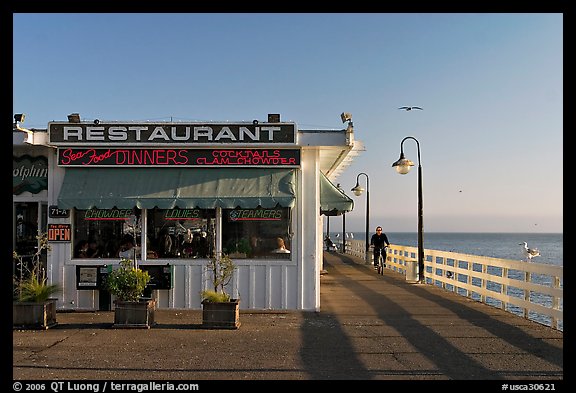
x,y
496,245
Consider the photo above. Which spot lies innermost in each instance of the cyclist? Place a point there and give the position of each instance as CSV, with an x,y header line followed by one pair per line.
x,y
379,242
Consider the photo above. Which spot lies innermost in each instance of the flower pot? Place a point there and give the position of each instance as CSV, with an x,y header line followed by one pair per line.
x,y
134,314
221,315
34,315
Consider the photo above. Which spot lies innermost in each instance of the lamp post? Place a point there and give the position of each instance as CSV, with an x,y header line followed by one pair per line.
x,y
357,190
343,226
403,166
343,233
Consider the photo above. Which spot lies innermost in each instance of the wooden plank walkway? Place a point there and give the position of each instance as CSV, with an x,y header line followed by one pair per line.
x,y
370,327
422,331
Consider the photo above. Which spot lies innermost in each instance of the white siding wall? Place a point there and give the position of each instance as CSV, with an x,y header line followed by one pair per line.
x,y
311,232
260,284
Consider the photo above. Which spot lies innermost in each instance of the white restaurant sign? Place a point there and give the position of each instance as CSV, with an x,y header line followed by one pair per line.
x,y
154,134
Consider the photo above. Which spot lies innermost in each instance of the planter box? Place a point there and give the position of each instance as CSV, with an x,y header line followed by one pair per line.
x,y
34,315
221,315
139,314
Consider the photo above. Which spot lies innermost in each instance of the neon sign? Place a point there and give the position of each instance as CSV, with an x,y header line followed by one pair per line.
x,y
256,215
108,214
140,157
183,214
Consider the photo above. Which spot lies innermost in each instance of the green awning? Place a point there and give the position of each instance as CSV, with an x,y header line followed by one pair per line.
x,y
167,188
333,202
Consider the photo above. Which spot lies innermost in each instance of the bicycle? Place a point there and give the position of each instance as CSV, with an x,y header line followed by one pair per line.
x,y
381,261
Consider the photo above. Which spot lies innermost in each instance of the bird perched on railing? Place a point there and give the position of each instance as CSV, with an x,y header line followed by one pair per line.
x,y
530,253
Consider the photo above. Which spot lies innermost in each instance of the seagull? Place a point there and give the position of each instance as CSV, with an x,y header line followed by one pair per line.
x,y
337,235
530,252
409,108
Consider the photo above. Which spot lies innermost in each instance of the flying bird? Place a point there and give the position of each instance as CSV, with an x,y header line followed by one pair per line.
x,y
409,108
530,253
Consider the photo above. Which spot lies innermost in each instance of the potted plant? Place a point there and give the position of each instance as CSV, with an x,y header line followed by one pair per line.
x,y
33,306
127,284
219,309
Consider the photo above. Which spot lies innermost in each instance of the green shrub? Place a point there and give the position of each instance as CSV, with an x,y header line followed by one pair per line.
x,y
36,289
216,297
126,282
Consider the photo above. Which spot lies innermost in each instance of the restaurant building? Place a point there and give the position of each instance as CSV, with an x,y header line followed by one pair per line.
x,y
180,193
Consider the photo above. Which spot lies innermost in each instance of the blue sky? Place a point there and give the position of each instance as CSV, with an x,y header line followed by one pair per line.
x,y
491,85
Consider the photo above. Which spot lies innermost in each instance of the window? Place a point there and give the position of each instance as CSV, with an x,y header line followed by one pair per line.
x,y
26,228
98,233
180,233
256,233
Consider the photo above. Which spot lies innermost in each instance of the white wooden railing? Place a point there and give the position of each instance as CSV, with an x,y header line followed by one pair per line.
x,y
532,290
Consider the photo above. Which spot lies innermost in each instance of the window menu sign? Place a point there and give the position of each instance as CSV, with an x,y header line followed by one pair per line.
x,y
87,276
92,277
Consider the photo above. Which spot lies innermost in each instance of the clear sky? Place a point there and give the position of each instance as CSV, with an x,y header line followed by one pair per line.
x,y
490,85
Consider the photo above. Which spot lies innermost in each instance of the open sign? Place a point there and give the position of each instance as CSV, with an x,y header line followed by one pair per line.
x,y
59,232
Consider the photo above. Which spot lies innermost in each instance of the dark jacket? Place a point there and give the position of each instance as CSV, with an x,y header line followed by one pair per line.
x,y
379,241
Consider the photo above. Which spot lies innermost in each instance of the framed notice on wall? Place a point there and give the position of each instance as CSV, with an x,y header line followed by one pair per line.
x,y
87,276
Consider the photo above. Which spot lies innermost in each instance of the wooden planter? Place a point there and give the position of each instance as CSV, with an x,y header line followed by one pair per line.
x,y
221,315
138,314
34,315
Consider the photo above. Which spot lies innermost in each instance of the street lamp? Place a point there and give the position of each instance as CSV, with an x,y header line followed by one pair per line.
x,y
343,225
403,166
357,190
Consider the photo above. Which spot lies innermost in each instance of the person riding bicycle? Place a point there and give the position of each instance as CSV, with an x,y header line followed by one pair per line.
x,y
379,242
